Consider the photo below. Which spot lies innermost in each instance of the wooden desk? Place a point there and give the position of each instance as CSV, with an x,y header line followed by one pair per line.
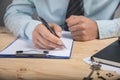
x,y
52,69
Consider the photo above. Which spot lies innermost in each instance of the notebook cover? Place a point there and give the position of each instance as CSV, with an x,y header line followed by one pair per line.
x,y
110,53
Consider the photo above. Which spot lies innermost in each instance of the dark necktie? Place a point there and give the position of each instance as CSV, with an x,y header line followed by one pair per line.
x,y
75,7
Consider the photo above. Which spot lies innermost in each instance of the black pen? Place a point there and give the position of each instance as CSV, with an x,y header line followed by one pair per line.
x,y
49,28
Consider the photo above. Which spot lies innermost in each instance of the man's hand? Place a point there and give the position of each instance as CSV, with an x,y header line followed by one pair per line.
x,y
44,39
82,28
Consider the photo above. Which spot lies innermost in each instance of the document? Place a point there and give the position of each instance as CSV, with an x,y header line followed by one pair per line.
x,y
26,45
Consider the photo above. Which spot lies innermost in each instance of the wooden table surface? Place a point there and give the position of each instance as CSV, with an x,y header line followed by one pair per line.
x,y
52,69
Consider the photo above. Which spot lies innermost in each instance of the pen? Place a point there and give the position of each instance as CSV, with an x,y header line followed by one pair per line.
x,y
49,28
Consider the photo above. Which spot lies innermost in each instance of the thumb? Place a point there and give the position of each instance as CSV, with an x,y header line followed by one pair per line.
x,y
57,29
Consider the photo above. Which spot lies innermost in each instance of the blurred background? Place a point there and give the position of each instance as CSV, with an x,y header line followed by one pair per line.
x,y
3,5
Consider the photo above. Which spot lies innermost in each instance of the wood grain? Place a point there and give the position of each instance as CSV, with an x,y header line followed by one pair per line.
x,y
52,69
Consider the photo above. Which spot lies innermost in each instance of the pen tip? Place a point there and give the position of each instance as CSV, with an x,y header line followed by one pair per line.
x,y
64,46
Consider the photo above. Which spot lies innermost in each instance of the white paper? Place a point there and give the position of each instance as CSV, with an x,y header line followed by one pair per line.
x,y
26,45
103,66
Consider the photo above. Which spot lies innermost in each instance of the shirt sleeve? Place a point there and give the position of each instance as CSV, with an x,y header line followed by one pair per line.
x,y
18,18
108,28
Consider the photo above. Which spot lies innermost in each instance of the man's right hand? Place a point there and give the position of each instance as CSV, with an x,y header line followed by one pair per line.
x,y
44,39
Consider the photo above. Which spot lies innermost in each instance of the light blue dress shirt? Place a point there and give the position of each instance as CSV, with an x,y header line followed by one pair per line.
x,y
18,17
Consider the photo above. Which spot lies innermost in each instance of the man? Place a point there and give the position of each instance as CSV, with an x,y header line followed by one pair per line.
x,y
96,23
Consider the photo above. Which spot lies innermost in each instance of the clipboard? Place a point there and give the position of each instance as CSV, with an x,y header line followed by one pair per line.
x,y
21,44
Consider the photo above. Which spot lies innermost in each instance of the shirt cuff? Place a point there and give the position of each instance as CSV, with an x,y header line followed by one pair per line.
x,y
106,28
30,28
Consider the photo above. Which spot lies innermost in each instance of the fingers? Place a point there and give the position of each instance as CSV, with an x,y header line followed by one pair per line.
x,y
57,29
73,20
42,38
79,35
82,28
46,44
76,27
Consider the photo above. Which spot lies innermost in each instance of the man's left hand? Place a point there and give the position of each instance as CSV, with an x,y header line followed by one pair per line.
x,y
82,28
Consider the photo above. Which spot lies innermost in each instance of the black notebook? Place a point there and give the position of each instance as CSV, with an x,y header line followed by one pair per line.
x,y
109,55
